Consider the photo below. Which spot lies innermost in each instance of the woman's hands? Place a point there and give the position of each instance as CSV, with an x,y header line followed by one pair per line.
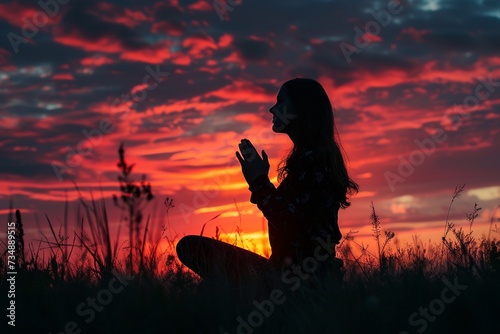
x,y
252,165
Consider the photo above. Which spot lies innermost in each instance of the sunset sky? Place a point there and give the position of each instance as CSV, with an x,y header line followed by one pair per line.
x,y
415,86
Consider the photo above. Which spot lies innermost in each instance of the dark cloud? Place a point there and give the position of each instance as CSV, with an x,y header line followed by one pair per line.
x,y
252,50
78,20
24,165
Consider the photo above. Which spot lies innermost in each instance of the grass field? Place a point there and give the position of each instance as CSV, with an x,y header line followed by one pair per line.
x,y
90,283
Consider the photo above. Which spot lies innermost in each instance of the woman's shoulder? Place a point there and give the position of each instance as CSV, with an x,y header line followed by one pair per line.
x,y
311,162
312,158
308,153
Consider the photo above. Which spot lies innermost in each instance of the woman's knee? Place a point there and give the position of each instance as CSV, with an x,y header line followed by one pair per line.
x,y
185,246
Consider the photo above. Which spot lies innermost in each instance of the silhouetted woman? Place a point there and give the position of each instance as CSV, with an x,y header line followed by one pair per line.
x,y
302,212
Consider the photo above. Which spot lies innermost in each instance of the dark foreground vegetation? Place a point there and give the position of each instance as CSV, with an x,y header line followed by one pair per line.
x,y
82,283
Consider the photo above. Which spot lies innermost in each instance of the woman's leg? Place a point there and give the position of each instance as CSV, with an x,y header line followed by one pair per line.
x,y
213,258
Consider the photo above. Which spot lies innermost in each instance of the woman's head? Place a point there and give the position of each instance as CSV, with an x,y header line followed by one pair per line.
x,y
304,112
283,112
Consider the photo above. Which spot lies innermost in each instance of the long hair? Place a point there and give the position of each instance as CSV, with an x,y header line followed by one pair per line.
x,y
317,132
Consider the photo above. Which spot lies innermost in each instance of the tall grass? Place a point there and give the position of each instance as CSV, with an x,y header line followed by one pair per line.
x,y
132,200
380,290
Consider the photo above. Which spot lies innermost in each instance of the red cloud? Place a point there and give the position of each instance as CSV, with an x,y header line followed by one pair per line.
x,y
63,76
201,5
372,38
235,57
413,34
96,61
200,46
21,16
15,13
169,28
152,54
242,91
225,40
117,14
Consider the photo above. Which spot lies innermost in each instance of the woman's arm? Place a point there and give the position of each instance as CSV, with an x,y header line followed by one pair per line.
x,y
252,165
304,195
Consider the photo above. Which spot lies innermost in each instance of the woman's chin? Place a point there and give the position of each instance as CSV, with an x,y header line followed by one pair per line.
x,y
278,128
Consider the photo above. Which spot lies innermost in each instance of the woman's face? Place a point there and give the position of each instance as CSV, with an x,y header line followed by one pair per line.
x,y
283,112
